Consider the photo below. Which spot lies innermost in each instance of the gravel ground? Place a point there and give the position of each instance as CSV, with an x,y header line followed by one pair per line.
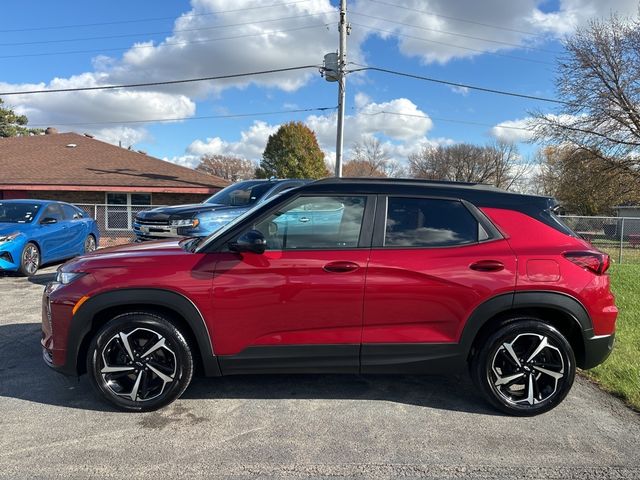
x,y
306,426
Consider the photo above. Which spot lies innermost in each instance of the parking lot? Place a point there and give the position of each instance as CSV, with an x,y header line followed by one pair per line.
x,y
291,426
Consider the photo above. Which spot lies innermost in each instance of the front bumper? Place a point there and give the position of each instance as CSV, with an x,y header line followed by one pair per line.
x,y
10,256
596,350
54,341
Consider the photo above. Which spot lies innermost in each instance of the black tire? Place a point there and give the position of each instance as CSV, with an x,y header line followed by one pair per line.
x,y
90,244
509,375
121,344
29,259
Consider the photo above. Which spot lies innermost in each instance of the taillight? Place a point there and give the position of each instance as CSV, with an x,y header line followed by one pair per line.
x,y
595,262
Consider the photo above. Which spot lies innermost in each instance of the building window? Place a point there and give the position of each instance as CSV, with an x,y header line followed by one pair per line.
x,y
121,208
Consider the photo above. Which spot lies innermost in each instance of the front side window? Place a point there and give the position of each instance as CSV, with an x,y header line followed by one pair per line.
x,y
426,222
310,223
53,211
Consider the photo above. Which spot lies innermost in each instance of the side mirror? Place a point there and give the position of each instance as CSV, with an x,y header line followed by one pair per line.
x,y
48,221
253,241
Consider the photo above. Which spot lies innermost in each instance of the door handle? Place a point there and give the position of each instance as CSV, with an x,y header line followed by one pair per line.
x,y
303,219
487,266
341,267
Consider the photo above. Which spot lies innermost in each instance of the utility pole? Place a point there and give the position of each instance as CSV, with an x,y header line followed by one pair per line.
x,y
342,62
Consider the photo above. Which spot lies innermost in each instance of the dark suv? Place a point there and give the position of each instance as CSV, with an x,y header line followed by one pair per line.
x,y
202,219
344,276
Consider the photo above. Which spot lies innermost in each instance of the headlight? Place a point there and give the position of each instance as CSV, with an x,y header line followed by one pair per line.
x,y
9,238
192,222
68,277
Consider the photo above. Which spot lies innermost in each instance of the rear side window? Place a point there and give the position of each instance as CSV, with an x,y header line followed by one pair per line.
x,y
426,222
71,213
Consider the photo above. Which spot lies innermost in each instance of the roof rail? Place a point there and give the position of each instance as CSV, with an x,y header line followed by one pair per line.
x,y
418,181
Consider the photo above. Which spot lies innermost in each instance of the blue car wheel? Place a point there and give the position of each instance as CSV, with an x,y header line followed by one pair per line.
x,y
29,259
89,244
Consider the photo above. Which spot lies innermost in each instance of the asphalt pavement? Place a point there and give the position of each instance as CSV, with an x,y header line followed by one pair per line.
x,y
303,426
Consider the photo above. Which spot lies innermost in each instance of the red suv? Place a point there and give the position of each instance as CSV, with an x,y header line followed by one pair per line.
x,y
344,276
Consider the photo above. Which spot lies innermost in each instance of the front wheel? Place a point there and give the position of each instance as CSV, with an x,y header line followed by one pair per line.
x,y
139,362
526,368
29,260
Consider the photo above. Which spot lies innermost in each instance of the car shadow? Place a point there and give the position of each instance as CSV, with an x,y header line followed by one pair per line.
x,y
23,375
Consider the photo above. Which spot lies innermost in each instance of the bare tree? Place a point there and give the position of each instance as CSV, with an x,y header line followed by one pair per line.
x,y
369,158
599,84
229,168
498,164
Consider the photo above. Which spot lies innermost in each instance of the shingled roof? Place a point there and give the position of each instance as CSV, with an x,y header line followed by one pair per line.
x,y
69,161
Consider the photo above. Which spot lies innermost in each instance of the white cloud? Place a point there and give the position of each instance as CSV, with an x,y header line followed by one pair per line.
x,y
464,91
514,131
401,135
441,30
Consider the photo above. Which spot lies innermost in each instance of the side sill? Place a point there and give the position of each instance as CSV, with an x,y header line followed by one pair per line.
x,y
412,358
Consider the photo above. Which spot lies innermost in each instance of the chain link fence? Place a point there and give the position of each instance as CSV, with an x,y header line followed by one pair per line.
x,y
617,236
115,221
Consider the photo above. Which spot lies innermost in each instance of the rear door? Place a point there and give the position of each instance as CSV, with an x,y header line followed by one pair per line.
x,y
433,261
77,230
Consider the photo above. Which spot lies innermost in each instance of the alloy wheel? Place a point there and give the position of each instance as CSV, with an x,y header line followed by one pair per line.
x,y
89,244
137,365
527,370
30,259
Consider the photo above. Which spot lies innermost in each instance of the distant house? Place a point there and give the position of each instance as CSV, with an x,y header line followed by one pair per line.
x,y
632,211
82,170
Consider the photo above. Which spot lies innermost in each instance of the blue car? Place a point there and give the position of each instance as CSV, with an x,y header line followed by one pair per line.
x,y
35,232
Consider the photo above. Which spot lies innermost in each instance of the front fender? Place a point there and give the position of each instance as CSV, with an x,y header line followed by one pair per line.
x,y
83,322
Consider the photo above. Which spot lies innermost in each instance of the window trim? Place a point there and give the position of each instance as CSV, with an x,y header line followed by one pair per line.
x,y
128,205
380,226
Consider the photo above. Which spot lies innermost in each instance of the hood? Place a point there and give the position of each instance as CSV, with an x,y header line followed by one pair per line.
x,y
129,254
179,212
6,228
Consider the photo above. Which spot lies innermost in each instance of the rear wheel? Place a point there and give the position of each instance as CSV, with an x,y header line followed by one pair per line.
x,y
526,368
89,244
139,362
29,259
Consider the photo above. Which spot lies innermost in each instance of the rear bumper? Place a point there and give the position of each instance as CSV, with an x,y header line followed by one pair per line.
x,y
596,350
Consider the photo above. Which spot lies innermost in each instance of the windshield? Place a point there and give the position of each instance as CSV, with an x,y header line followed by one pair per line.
x,y
241,194
18,212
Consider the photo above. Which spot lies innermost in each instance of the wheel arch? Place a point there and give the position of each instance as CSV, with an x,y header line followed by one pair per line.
x,y
563,312
178,309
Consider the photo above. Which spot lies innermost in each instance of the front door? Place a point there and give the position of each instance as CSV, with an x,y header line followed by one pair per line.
x,y
53,236
298,306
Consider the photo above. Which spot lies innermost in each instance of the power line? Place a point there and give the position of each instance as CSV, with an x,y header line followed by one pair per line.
x,y
390,32
164,32
458,84
458,19
166,82
134,47
179,119
152,19
456,34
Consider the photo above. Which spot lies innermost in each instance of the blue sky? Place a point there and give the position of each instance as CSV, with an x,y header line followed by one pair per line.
x,y
495,43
